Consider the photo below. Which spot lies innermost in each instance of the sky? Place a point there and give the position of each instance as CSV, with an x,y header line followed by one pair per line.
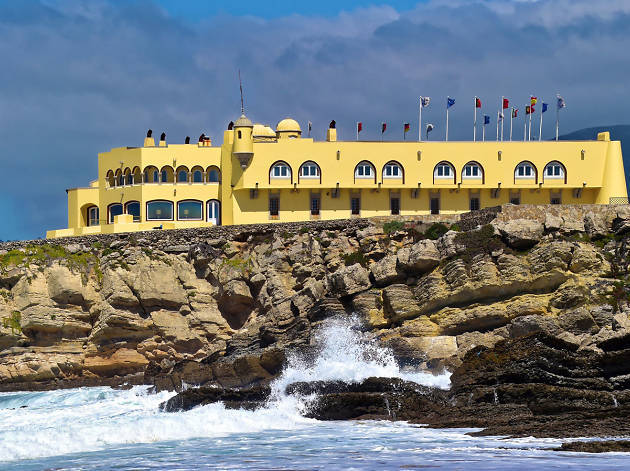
x,y
80,77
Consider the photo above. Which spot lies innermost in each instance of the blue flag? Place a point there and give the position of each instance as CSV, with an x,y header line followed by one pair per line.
x,y
450,102
544,108
486,119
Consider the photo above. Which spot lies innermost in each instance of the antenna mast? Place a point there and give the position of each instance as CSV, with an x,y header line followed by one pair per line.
x,y
241,85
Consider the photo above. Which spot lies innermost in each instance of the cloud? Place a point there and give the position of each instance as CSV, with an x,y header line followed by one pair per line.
x,y
80,77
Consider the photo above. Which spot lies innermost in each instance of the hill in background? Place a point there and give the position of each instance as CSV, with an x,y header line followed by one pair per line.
x,y
619,132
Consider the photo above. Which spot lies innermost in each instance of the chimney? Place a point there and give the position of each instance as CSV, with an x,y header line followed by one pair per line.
x,y
163,140
331,133
148,141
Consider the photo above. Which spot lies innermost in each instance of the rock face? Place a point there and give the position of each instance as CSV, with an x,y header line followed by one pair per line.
x,y
223,307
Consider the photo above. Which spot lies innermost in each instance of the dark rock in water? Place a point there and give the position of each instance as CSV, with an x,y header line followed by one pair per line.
x,y
386,398
603,446
250,398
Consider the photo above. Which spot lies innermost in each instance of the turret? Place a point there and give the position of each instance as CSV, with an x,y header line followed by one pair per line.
x,y
243,146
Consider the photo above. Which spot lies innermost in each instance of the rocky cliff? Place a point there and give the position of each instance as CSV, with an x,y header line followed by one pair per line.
x,y
223,306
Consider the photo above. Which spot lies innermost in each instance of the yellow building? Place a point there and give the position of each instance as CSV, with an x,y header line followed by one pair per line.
x,y
260,175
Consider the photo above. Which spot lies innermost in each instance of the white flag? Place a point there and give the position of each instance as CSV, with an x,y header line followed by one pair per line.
x,y
424,101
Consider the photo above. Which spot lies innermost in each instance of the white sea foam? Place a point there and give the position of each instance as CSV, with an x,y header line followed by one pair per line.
x,y
89,419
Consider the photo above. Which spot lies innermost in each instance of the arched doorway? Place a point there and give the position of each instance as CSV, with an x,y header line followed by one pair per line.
x,y
214,212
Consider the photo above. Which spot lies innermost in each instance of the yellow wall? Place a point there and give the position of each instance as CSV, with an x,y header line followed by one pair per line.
x,y
594,174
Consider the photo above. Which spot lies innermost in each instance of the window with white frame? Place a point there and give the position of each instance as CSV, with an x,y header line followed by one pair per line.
x,y
472,170
93,216
309,170
364,170
554,170
524,170
444,170
280,170
392,170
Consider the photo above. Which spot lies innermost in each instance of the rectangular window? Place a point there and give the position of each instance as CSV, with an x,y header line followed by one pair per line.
x,y
394,204
555,200
435,205
515,200
274,206
474,204
315,206
355,206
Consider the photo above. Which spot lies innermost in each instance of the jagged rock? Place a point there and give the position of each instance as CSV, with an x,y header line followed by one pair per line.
x,y
327,307
570,294
520,233
400,303
578,321
385,270
595,225
420,257
454,321
236,303
64,286
250,398
532,324
349,280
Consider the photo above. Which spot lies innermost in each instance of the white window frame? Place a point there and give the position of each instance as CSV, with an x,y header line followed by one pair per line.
x,y
360,171
554,166
93,221
442,166
311,166
471,167
390,168
280,167
524,166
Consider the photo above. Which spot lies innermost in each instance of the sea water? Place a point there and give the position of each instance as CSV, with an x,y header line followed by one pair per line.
x,y
106,429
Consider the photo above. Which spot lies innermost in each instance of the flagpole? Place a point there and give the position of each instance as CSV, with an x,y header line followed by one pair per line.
x,y
357,130
420,122
484,130
542,104
557,119
475,121
498,126
529,133
511,119
524,131
501,108
447,121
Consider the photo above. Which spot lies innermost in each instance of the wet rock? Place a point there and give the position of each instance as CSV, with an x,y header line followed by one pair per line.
x,y
250,398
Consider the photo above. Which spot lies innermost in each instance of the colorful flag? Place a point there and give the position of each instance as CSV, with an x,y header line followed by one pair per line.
x,y
533,100
359,127
383,127
561,102
544,108
514,112
450,102
486,119
406,127
529,109
424,101
506,103
477,102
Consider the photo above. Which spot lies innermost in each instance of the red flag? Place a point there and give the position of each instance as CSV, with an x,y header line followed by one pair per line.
x,y
533,100
506,103
383,127
359,127
406,127
477,102
514,112
529,109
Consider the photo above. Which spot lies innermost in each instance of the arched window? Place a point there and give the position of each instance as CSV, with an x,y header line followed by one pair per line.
x,y
364,170
166,174
111,180
92,214
280,170
159,210
128,177
472,171
137,176
151,175
197,175
525,170
554,170
120,178
133,208
213,175
190,210
115,209
182,175
309,170
444,171
392,170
